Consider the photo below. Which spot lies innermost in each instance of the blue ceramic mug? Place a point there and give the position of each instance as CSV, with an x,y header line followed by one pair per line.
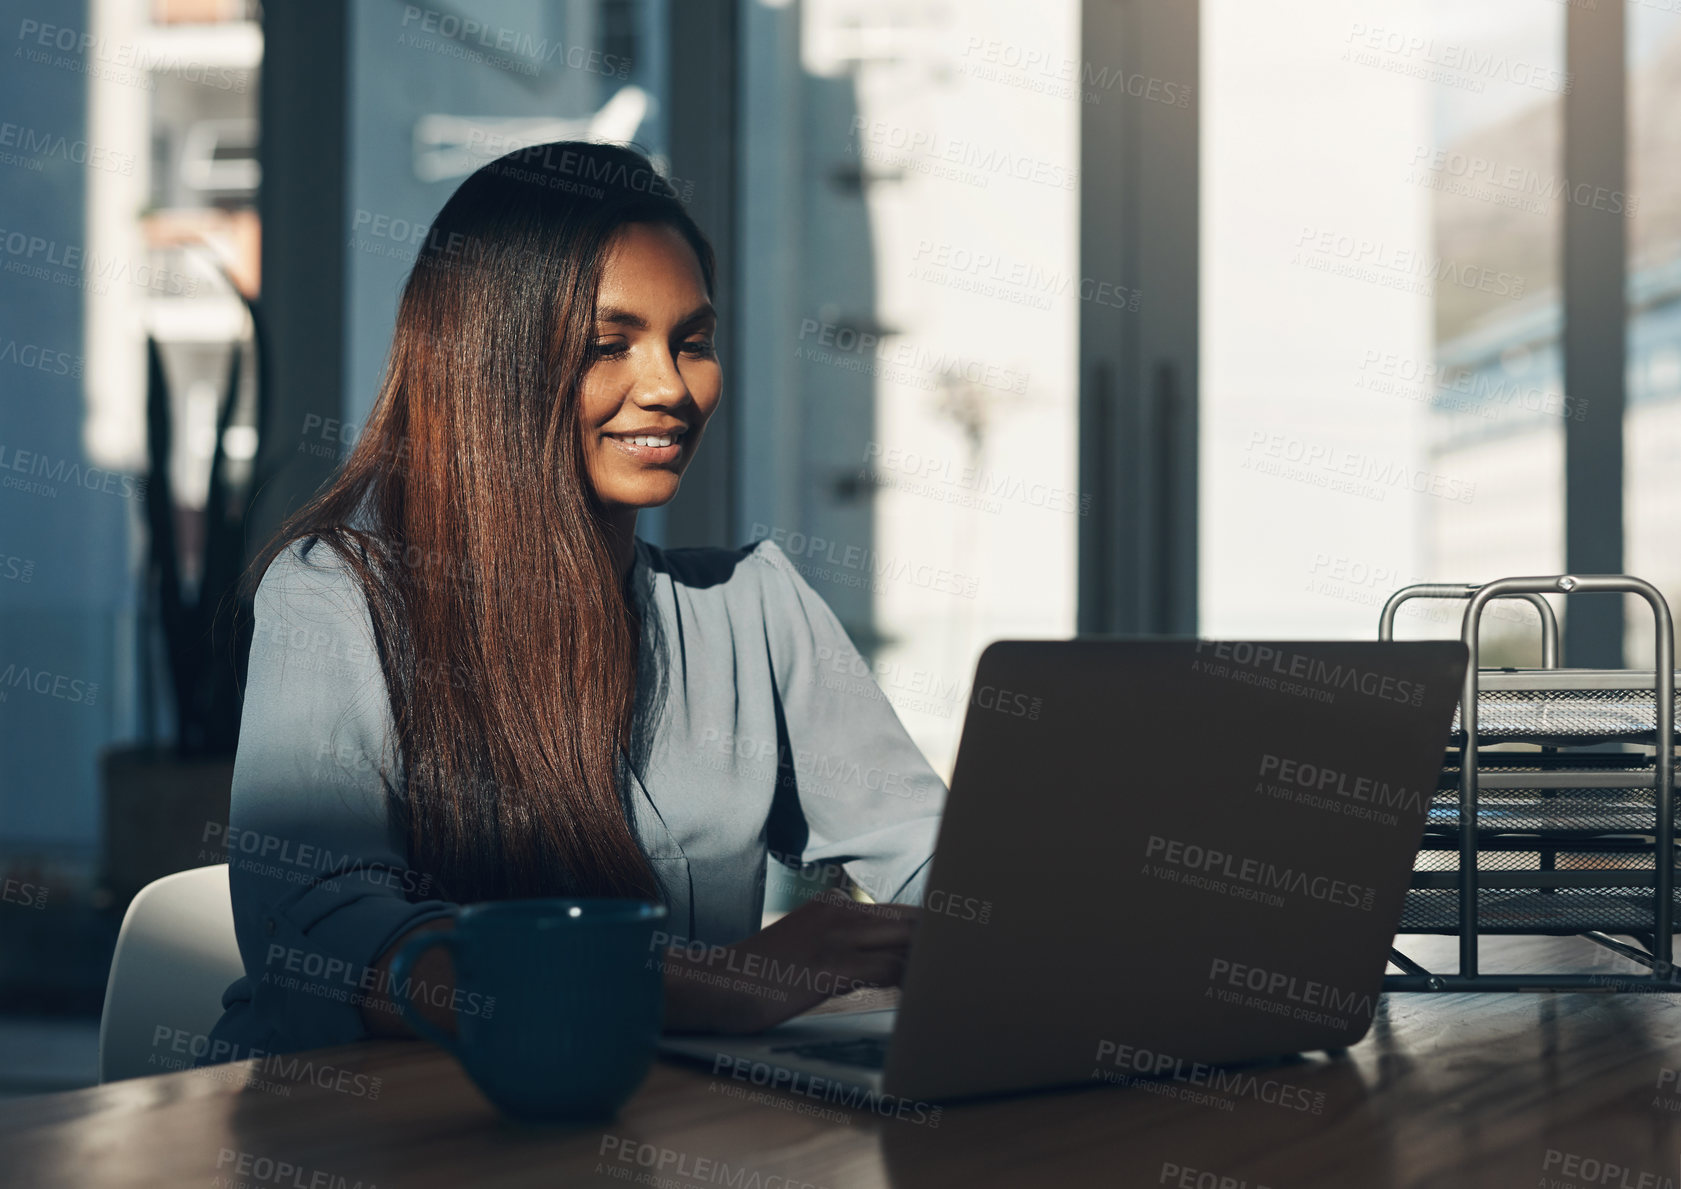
x,y
558,1009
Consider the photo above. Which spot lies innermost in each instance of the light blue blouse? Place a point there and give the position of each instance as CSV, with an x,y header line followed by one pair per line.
x,y
771,739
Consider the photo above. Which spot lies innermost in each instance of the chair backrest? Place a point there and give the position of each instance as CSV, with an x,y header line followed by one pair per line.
x,y
176,954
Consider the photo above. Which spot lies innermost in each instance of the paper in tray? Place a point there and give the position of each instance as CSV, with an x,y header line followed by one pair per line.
x,y
1552,811
1563,717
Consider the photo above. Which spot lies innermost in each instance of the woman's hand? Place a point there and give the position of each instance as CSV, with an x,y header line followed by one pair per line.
x,y
830,945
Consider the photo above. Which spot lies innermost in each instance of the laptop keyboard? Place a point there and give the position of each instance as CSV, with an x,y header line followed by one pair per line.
x,y
866,1052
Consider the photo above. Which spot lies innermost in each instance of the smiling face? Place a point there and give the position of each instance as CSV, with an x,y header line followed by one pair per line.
x,y
654,377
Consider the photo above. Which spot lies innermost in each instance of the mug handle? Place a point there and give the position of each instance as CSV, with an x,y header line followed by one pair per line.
x,y
401,965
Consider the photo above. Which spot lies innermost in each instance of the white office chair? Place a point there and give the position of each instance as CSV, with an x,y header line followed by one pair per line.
x,y
176,954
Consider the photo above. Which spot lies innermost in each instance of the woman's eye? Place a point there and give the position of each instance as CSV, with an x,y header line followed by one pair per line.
x,y
700,348
609,349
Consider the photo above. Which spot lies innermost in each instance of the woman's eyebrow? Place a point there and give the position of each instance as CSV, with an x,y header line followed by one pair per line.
x,y
615,316
618,317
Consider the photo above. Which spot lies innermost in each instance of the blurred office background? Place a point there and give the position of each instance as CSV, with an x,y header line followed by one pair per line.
x,y
1138,316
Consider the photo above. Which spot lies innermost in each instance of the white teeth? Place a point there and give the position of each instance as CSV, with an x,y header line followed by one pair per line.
x,y
668,439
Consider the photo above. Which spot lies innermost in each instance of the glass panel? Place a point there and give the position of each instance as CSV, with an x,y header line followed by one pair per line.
x,y
907,390
1381,399
130,179
1652,422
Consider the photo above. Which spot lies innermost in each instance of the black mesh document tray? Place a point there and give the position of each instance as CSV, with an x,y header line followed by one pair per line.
x,y
1566,777
1563,707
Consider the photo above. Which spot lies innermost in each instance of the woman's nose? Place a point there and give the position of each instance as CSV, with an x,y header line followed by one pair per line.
x,y
661,383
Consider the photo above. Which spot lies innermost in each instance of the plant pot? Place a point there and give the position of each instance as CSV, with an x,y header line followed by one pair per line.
x,y
162,814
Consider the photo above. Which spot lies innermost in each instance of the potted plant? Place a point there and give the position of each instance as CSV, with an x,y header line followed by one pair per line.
x,y
161,794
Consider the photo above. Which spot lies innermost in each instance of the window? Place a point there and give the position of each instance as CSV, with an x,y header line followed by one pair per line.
x,y
1652,424
1381,393
910,295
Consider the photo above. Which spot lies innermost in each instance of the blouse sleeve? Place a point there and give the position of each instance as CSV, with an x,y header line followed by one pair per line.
x,y
863,794
320,880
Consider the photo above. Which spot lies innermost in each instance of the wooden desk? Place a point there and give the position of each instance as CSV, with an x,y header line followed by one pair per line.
x,y
1519,1090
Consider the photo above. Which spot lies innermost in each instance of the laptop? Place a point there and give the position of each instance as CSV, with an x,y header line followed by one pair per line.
x,y
1156,854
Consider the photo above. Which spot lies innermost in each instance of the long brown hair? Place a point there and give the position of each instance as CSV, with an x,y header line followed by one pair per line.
x,y
466,512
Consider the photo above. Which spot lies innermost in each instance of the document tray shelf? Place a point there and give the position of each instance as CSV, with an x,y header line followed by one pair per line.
x,y
1567,776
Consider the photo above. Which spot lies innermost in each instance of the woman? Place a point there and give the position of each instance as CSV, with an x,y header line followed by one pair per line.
x,y
471,680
